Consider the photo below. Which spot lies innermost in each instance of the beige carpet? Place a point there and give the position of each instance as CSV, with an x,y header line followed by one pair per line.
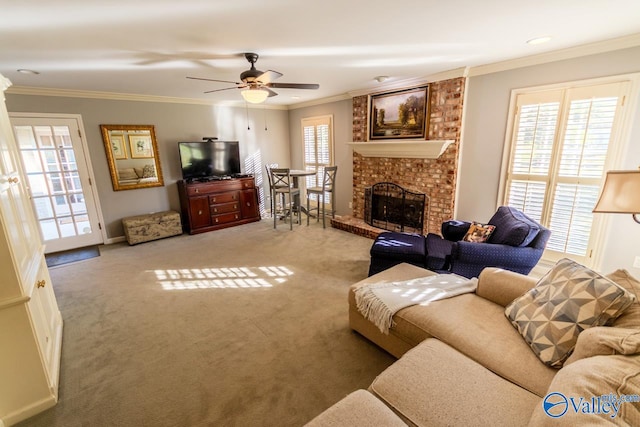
x,y
245,326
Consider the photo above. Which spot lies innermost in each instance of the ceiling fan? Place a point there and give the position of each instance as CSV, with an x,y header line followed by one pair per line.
x,y
257,84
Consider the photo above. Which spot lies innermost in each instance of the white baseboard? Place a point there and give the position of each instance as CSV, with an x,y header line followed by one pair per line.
x,y
114,240
28,411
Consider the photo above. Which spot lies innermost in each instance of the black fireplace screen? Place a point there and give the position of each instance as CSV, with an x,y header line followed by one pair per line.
x,y
391,207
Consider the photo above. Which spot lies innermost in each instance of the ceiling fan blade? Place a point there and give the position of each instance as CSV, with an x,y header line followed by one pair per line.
x,y
214,80
226,88
268,76
271,93
294,85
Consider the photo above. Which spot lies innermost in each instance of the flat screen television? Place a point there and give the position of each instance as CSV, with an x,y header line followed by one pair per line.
x,y
209,159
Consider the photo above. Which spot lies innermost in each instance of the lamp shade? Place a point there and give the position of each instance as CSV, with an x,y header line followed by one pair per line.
x,y
620,193
254,96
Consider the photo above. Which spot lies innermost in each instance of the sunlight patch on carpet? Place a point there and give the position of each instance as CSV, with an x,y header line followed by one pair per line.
x,y
222,278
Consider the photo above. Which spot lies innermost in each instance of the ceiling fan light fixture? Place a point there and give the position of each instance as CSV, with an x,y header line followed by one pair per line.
x,y
254,96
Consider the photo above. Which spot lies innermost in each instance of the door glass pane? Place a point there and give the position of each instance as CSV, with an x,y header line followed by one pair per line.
x,y
37,184
50,160
82,224
49,229
61,206
44,136
31,161
68,160
77,203
43,206
67,228
25,137
63,139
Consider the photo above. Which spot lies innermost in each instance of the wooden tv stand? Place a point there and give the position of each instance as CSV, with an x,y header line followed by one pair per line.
x,y
212,205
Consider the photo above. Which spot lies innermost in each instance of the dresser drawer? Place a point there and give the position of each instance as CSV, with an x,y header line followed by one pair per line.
x,y
231,196
224,208
224,218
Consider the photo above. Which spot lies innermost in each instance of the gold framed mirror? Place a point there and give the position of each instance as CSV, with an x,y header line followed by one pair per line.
x,y
132,154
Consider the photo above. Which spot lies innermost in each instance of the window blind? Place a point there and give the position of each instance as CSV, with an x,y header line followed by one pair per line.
x,y
559,152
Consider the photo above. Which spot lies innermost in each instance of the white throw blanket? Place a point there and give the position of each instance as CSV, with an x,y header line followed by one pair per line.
x,y
378,302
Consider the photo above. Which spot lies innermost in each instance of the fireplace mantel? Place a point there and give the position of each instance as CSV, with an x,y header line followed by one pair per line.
x,y
398,148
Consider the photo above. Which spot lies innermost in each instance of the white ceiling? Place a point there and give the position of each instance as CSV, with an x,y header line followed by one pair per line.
x,y
148,47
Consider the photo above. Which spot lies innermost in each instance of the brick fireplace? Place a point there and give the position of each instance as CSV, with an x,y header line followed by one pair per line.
x,y
434,177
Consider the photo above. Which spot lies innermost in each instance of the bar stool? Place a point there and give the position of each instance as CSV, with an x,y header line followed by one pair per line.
x,y
282,186
328,186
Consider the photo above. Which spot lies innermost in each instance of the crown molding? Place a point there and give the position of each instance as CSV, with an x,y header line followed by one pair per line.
x,y
407,83
114,96
632,40
321,101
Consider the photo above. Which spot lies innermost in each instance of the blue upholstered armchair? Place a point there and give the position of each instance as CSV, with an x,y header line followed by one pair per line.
x,y
516,244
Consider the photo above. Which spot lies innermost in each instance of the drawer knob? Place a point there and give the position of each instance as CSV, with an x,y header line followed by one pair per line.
x,y
41,283
199,212
215,209
197,190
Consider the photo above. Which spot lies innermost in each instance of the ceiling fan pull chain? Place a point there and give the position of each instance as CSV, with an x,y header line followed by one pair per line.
x,y
246,106
264,109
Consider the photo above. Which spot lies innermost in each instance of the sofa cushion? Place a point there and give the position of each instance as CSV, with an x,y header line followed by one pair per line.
x,y
477,328
631,316
567,300
127,174
358,409
605,340
478,232
513,227
592,378
433,384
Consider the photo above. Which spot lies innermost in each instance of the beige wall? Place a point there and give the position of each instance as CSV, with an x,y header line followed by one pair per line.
x,y
342,119
173,123
484,134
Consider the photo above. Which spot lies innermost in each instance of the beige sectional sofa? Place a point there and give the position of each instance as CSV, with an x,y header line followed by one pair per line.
x,y
462,362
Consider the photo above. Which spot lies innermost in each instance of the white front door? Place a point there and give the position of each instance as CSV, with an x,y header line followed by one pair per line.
x,y
56,165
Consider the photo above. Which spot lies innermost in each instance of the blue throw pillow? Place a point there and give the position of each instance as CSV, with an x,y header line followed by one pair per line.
x,y
513,227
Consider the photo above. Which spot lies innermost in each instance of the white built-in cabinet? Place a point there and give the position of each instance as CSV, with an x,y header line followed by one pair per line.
x,y
30,321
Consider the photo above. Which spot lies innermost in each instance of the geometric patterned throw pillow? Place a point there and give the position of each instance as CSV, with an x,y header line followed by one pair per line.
x,y
567,300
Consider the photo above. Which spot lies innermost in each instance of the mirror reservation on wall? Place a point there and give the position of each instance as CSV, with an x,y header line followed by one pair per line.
x,y
132,154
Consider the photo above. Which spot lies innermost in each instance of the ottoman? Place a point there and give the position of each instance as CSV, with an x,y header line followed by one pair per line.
x,y
152,226
393,248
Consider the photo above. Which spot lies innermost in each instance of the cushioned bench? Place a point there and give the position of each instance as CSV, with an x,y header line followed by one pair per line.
x,y
152,226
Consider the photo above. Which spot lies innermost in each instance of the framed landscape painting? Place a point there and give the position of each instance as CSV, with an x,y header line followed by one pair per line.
x,y
400,114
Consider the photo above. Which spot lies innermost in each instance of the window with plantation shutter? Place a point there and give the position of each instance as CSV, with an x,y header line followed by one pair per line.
x,y
559,153
317,137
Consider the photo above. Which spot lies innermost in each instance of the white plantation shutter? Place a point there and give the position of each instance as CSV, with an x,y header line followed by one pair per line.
x,y
317,137
558,156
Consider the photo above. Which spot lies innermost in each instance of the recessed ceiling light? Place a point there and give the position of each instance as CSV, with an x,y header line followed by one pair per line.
x,y
295,97
381,79
539,40
25,71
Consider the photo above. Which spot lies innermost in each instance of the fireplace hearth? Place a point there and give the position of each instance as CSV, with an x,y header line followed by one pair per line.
x,y
392,207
